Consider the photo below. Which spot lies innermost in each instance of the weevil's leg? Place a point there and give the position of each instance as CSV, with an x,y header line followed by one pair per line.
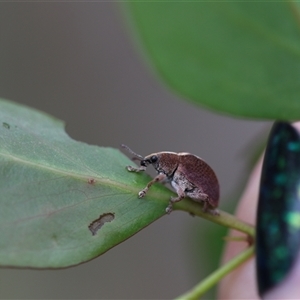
x,y
198,196
210,209
180,196
135,169
160,177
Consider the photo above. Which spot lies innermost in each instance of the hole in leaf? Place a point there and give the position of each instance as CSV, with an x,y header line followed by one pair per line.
x,y
98,223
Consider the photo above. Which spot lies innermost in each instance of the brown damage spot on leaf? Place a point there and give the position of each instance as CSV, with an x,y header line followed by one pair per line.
x,y
6,125
98,223
91,181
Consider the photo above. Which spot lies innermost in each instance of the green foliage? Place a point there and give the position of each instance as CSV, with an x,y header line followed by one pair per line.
x,y
53,188
236,57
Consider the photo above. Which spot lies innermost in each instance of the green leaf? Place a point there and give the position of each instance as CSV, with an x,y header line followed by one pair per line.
x,y
53,190
236,57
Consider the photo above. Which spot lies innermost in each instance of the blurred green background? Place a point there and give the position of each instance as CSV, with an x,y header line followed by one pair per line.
x,y
78,62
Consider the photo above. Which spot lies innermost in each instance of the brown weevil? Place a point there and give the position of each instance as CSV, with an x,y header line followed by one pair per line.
x,y
188,174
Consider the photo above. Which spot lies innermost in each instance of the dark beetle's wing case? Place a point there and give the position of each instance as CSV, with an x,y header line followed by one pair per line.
x,y
199,173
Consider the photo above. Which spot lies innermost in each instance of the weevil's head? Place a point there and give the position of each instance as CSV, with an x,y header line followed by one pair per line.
x,y
163,162
152,159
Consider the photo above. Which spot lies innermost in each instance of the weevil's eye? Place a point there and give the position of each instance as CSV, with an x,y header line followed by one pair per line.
x,y
153,159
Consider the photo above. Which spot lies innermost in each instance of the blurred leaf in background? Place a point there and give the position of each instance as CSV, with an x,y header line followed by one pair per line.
x,y
238,57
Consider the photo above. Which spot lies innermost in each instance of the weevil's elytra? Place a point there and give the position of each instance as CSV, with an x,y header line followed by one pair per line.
x,y
188,174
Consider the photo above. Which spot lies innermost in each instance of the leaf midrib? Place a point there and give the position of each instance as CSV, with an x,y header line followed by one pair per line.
x,y
105,181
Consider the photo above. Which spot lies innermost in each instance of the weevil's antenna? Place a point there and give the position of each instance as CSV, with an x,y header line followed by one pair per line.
x,y
136,156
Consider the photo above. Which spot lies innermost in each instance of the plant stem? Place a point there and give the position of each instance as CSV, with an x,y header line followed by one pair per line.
x,y
216,276
224,218
227,220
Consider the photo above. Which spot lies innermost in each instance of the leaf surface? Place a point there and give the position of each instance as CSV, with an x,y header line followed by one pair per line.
x,y
64,202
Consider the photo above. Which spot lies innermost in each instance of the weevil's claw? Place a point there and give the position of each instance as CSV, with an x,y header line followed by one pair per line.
x,y
213,212
142,193
134,169
207,208
130,168
169,209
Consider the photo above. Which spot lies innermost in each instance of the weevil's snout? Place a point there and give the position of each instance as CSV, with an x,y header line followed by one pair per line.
x,y
144,163
149,160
